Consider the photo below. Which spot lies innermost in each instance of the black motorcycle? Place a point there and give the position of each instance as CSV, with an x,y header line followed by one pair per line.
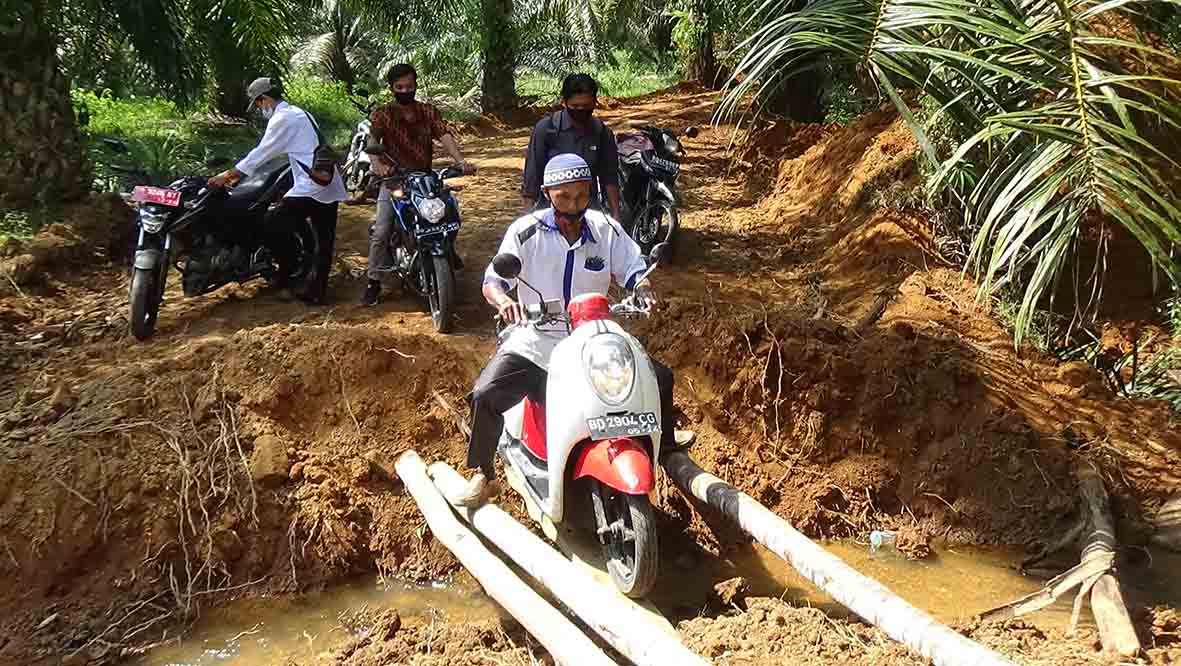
x,y
423,245
649,163
211,236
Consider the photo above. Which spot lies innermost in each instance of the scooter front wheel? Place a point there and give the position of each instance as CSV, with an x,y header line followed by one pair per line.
x,y
627,532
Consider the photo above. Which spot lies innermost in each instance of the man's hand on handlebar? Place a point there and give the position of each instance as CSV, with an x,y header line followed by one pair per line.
x,y
227,178
643,296
510,311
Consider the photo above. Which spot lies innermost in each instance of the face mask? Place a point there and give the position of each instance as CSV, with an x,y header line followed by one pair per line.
x,y
268,111
581,116
569,218
405,97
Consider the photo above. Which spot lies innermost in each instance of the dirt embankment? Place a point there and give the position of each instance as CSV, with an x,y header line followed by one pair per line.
x,y
836,367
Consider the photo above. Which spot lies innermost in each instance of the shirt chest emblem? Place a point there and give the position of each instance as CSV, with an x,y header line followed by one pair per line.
x,y
595,264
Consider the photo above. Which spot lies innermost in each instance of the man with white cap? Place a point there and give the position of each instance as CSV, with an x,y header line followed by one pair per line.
x,y
565,251
313,195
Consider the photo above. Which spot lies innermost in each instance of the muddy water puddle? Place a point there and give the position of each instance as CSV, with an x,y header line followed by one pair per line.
x,y
956,583
278,630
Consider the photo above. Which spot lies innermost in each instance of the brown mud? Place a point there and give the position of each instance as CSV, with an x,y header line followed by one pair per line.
x,y
835,364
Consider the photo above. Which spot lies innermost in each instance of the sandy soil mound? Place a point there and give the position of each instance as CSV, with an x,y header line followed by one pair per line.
x,y
254,461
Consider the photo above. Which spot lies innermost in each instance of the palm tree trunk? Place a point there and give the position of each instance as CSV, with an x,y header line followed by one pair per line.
x,y
703,64
499,88
42,154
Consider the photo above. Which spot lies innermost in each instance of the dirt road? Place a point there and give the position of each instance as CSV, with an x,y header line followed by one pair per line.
x,y
835,365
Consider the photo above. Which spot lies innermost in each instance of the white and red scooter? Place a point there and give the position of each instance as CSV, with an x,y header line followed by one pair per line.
x,y
598,432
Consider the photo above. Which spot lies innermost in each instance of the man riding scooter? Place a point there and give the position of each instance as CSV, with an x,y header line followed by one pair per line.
x,y
565,251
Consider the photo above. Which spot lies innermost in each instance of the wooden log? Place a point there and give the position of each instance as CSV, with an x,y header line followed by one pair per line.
x,y
861,594
1111,615
1107,603
564,641
626,627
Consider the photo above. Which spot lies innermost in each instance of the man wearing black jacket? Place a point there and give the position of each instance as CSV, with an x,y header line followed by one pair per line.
x,y
575,130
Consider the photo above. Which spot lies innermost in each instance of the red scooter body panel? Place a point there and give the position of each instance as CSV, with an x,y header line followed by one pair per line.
x,y
622,463
533,429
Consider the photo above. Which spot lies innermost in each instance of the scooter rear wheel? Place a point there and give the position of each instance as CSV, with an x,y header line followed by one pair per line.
x,y
629,541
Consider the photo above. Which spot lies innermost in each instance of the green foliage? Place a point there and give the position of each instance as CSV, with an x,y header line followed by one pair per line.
x,y
167,142
17,224
1051,130
328,102
845,103
629,77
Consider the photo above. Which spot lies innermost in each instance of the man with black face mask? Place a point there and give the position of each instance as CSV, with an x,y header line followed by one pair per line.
x,y
406,129
574,129
565,251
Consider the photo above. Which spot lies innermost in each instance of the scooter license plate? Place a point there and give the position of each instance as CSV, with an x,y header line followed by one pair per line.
x,y
423,232
632,424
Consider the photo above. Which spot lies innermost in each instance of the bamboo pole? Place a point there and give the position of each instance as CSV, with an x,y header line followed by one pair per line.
x,y
864,596
564,641
616,619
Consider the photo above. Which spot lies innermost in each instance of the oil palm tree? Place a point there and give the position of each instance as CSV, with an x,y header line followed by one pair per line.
x,y
42,155
1055,118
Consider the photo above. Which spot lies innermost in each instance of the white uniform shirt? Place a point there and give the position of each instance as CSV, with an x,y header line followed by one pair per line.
x,y
290,131
561,271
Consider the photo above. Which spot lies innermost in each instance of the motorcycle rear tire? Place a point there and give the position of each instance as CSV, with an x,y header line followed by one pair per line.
x,y
145,302
636,580
666,232
441,298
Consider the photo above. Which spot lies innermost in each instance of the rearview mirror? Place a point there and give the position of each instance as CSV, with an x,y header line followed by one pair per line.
x,y
659,254
691,132
214,162
506,265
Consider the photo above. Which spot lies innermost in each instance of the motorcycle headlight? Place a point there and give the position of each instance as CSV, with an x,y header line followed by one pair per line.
x,y
151,221
610,367
432,210
673,146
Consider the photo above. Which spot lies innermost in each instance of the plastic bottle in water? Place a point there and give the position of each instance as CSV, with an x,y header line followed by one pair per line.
x,y
881,539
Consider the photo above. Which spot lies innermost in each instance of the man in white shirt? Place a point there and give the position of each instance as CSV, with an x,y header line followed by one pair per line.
x,y
292,130
565,251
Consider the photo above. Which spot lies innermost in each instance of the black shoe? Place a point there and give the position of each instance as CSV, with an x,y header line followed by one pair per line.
x,y
372,291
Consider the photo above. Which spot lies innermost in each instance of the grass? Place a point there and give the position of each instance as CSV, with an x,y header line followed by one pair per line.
x,y
629,78
1043,327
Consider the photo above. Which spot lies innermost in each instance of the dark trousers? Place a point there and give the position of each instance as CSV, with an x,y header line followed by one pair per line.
x,y
289,217
507,379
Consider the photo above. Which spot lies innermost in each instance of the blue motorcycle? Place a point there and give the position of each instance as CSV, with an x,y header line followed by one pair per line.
x,y
423,246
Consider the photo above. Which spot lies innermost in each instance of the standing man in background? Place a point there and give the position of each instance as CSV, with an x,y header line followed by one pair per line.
x,y
575,130
292,130
406,129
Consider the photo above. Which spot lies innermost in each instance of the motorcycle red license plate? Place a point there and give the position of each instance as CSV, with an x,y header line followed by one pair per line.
x,y
156,195
632,424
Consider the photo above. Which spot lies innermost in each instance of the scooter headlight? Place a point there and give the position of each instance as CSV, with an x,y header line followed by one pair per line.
x,y
151,221
610,367
432,210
